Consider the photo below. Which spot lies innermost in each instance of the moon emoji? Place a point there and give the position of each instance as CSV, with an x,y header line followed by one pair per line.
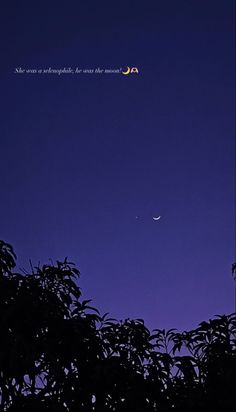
x,y
128,70
156,218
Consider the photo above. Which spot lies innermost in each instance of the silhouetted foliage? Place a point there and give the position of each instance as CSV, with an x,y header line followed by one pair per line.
x,y
57,353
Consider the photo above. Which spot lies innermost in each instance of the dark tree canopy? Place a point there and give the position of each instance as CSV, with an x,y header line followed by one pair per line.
x,y
57,353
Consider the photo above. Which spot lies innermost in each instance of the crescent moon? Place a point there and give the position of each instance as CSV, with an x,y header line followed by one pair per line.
x,y
128,70
156,218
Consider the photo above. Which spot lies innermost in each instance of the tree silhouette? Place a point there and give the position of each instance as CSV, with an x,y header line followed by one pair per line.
x,y
57,353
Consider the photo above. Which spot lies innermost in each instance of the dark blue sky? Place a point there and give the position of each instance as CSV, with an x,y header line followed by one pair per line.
x,y
83,155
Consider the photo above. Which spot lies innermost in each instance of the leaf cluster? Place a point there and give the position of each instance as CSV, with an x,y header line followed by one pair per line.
x,y
58,353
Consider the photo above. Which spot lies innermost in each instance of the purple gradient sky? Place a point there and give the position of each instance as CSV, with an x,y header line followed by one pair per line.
x,y
82,156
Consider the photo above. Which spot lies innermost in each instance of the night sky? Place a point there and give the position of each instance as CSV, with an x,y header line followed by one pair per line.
x,y
87,160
